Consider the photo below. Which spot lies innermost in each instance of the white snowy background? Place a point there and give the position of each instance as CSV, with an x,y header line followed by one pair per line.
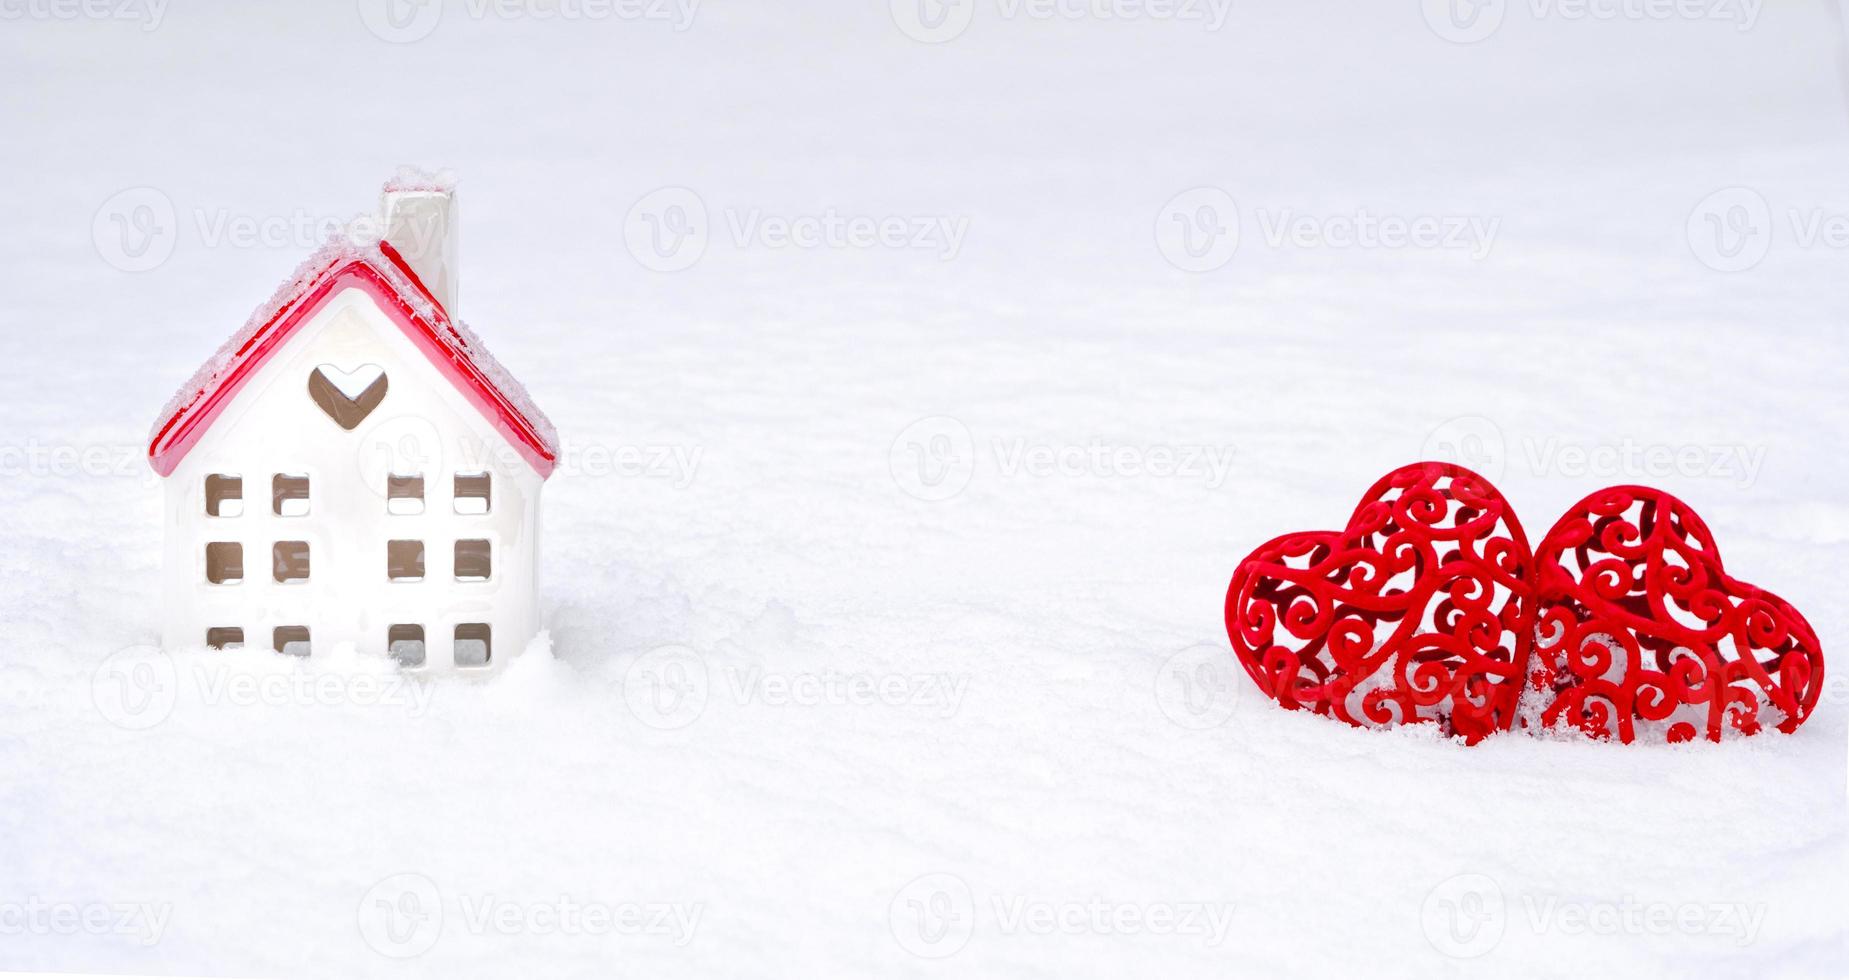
x,y
883,583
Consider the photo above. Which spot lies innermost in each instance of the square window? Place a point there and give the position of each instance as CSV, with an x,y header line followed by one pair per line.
x,y
406,644
474,644
289,495
292,640
289,560
473,563
224,495
404,494
224,563
404,561
224,637
472,493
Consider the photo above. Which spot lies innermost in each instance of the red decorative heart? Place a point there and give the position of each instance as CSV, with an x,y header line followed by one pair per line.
x,y
1642,634
1419,610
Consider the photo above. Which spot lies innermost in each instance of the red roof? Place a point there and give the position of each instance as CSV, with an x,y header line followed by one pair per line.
x,y
383,274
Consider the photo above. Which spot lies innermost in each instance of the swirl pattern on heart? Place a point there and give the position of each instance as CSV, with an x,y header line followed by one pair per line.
x,y
1642,634
1419,610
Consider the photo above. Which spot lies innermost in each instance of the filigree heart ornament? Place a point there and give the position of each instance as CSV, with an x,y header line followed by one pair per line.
x,y
1642,634
1419,610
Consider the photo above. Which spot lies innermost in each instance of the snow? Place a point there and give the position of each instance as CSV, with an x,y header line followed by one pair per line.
x,y
413,178
955,727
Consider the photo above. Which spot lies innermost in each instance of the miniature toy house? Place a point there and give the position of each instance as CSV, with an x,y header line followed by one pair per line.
x,y
354,468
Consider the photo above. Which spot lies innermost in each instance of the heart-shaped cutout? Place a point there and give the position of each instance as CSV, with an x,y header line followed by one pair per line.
x,y
347,396
1642,634
1420,610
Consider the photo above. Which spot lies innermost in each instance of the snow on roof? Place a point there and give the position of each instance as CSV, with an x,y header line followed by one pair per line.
x,y
356,255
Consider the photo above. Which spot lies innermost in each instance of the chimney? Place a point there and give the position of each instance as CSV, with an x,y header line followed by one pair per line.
x,y
420,222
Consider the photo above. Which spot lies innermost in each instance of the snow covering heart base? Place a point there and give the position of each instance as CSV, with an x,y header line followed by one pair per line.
x,y
1430,607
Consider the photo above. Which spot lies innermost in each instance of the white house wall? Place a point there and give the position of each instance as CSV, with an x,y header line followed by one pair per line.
x,y
423,425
